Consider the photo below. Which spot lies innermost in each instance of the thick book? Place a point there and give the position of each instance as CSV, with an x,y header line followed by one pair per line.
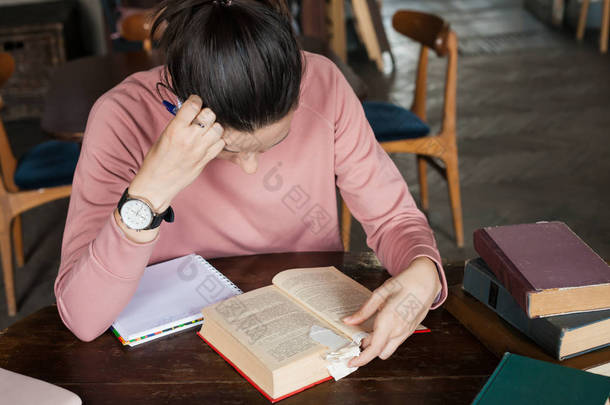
x,y
288,336
521,380
169,299
499,337
562,336
604,369
546,267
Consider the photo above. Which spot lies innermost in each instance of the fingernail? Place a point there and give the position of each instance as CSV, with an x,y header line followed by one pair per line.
x,y
197,100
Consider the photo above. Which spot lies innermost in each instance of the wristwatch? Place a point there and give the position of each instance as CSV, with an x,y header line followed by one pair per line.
x,y
138,214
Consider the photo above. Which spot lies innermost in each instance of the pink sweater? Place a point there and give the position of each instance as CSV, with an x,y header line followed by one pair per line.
x,y
289,204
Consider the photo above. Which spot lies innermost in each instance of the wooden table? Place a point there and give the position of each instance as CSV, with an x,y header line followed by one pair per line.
x,y
445,366
76,85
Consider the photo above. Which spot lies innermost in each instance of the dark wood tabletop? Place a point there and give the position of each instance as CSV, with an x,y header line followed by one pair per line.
x,y
445,366
76,85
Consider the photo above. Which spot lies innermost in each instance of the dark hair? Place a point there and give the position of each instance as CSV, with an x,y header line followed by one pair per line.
x,y
240,56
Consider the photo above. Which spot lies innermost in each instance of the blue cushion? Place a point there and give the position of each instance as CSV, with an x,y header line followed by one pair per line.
x,y
48,164
391,122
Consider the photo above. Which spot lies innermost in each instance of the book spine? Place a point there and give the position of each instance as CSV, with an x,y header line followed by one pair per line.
x,y
485,288
508,274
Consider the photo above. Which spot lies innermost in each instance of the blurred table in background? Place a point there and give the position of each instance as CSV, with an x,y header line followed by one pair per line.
x,y
76,85
39,35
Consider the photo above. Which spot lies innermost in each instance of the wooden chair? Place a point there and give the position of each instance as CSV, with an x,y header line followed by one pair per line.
x,y
370,30
605,28
326,21
335,10
136,27
14,199
406,131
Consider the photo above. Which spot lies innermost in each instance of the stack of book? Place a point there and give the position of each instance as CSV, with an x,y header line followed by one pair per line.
x,y
544,281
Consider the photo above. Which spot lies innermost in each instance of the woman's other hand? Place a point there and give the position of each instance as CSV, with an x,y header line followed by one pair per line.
x,y
401,303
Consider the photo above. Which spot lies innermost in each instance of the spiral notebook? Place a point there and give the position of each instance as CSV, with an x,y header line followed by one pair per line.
x,y
169,299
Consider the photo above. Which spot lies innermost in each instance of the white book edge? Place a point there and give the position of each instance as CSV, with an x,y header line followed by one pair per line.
x,y
602,369
169,332
162,327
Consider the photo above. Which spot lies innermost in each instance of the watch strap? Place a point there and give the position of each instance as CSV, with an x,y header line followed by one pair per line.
x,y
122,200
167,216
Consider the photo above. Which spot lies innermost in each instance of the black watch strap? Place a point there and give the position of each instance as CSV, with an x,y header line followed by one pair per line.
x,y
167,215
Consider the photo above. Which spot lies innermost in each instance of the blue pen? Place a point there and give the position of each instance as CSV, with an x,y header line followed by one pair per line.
x,y
170,107
174,109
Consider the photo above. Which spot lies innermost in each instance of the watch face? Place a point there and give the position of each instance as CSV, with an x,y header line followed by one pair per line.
x,y
136,214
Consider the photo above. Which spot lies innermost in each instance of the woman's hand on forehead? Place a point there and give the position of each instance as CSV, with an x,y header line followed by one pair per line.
x,y
188,143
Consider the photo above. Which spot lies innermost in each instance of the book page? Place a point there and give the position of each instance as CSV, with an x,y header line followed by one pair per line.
x,y
328,293
269,323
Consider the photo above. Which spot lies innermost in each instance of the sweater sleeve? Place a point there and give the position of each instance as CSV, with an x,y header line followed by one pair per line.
x,y
100,267
376,193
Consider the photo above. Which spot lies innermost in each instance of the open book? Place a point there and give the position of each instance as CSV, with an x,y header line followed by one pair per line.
x,y
279,337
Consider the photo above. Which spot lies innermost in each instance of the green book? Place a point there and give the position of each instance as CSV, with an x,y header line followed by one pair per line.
x,y
521,380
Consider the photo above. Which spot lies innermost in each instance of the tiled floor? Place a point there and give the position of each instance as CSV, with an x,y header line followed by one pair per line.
x,y
533,129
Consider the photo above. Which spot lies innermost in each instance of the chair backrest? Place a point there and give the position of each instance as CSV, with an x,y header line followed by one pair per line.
x,y
136,27
427,29
432,32
8,163
7,67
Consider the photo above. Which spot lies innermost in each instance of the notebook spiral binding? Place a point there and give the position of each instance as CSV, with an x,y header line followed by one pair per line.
x,y
219,274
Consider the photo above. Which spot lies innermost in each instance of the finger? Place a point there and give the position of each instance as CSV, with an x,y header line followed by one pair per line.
x,y
365,312
213,133
374,303
397,340
204,140
214,150
373,350
204,119
189,110
365,342
392,345
378,341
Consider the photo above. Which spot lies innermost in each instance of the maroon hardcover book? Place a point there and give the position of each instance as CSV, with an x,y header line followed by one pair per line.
x,y
546,267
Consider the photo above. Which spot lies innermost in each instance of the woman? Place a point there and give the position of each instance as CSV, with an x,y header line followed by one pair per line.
x,y
248,165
